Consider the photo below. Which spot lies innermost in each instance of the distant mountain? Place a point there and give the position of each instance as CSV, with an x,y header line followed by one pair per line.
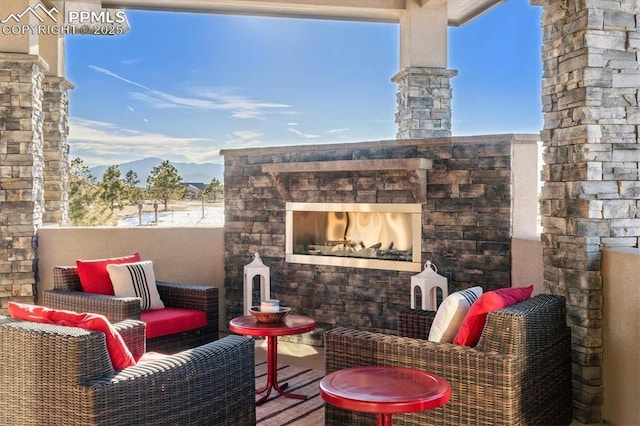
x,y
190,172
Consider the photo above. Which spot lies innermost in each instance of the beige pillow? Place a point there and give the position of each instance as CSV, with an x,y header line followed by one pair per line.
x,y
451,313
136,280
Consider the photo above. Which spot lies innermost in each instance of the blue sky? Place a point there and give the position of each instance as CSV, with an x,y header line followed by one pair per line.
x,y
183,86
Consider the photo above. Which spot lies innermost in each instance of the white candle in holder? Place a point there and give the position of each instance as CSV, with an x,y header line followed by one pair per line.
x,y
269,305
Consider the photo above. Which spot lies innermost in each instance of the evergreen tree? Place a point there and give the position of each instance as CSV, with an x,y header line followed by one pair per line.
x,y
113,188
164,183
134,193
214,190
85,207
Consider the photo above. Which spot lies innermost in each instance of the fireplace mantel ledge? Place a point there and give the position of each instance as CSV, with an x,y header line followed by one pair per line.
x,y
418,165
349,165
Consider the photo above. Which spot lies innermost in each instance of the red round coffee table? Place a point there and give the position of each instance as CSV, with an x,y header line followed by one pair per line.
x,y
292,324
384,390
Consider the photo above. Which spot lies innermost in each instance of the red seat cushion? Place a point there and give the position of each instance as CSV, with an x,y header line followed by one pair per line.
x,y
473,323
163,322
118,351
93,274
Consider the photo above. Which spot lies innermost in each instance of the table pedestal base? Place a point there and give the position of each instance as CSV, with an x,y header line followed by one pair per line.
x,y
272,374
385,419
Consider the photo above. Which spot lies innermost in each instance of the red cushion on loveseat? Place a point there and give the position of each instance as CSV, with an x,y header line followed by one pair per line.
x,y
162,322
473,323
118,351
93,274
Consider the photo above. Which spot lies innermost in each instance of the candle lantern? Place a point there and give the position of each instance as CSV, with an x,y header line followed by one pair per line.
x,y
429,282
255,269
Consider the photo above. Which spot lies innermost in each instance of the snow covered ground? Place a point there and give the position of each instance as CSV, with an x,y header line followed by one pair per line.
x,y
190,216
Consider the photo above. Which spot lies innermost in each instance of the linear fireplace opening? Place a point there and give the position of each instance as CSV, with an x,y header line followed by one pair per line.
x,y
361,235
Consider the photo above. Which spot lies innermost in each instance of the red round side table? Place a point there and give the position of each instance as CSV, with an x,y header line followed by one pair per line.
x,y
384,390
292,324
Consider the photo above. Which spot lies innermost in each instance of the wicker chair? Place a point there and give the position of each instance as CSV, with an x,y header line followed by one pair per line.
x,y
518,374
55,375
67,294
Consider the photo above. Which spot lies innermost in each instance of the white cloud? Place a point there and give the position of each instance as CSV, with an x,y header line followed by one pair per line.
x,y
244,139
129,107
114,75
304,135
240,106
338,130
292,124
102,143
247,114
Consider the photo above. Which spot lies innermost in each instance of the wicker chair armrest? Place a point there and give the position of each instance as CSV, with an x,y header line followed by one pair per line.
x,y
6,318
116,309
415,323
189,296
66,278
210,384
521,328
133,334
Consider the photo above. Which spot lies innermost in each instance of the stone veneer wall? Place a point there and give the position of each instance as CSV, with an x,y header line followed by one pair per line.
x,y
21,171
466,223
56,150
591,194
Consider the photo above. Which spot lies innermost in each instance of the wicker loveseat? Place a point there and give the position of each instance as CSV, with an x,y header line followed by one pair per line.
x,y
518,374
67,294
56,375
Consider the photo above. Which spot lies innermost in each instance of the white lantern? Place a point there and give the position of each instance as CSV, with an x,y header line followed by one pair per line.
x,y
428,281
252,270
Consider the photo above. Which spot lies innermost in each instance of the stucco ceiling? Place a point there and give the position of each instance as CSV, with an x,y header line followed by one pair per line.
x,y
459,11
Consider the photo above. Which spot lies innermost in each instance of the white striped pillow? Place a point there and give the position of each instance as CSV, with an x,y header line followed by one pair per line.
x,y
136,280
451,313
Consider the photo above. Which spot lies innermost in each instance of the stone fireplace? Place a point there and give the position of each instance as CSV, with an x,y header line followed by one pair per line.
x,y
456,192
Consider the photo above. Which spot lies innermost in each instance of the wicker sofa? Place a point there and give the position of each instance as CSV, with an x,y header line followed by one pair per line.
x,y
55,375
67,294
518,374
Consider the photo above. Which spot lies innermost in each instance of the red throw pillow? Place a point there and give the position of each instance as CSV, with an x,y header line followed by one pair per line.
x,y
118,351
93,274
473,323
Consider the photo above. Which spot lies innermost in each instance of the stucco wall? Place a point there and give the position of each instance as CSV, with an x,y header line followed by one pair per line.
x,y
526,173
526,263
182,255
621,336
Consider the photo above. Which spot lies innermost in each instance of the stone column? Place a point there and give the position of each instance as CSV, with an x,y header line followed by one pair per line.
x,y
56,150
424,102
424,87
591,193
21,170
